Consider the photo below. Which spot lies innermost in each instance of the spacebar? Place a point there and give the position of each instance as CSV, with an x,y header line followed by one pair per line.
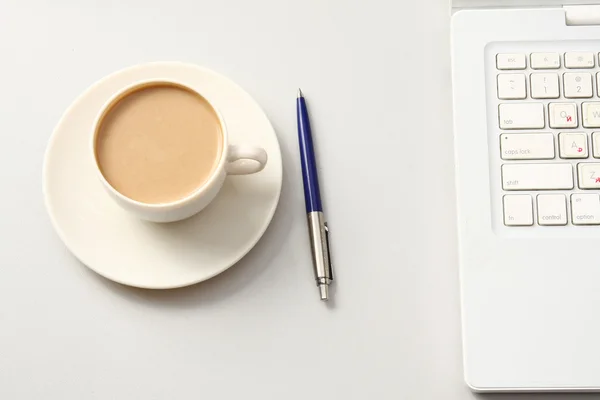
x,y
537,176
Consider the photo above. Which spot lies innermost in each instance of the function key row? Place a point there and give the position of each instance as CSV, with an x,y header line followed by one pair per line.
x,y
551,209
576,85
507,61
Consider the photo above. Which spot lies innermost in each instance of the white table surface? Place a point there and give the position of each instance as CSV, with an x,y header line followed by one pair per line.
x,y
377,79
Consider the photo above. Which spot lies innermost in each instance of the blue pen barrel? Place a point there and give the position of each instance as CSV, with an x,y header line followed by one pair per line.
x,y
312,194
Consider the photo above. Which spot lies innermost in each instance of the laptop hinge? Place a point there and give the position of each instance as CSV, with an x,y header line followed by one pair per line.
x,y
582,15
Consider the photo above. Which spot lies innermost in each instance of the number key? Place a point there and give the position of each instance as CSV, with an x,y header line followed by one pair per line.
x,y
577,85
544,86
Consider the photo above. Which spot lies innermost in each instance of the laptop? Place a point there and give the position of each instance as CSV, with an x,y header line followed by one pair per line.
x,y
526,99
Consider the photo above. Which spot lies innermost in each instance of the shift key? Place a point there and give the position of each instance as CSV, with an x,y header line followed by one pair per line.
x,y
537,176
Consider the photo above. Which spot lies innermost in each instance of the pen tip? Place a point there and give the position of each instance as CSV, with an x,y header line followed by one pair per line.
x,y
324,291
300,93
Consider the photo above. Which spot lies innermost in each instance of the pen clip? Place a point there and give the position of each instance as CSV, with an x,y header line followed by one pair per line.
x,y
328,250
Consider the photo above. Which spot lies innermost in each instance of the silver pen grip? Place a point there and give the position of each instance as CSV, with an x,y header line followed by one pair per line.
x,y
319,242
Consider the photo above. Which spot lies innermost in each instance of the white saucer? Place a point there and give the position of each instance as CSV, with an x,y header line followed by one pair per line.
x,y
124,249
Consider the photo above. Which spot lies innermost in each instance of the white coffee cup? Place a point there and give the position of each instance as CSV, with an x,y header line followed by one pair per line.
x,y
234,160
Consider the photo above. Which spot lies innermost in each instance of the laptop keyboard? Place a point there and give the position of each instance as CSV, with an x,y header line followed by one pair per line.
x,y
549,144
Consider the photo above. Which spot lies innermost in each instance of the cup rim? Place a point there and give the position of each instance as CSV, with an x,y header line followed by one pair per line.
x,y
114,99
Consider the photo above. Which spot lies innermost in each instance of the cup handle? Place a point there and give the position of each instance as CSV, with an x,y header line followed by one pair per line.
x,y
244,160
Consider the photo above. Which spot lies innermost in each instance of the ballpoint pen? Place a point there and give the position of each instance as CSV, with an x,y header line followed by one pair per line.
x,y
317,227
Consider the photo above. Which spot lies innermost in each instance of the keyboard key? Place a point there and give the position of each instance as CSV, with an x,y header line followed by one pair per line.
x,y
579,60
518,210
590,113
511,86
545,60
563,115
510,61
527,146
521,115
585,209
596,144
588,175
552,209
573,145
537,176
577,85
544,86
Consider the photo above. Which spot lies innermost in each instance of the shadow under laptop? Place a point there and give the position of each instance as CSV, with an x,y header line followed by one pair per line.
x,y
537,396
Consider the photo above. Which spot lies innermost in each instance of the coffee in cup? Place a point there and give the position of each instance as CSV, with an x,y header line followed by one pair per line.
x,y
161,149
